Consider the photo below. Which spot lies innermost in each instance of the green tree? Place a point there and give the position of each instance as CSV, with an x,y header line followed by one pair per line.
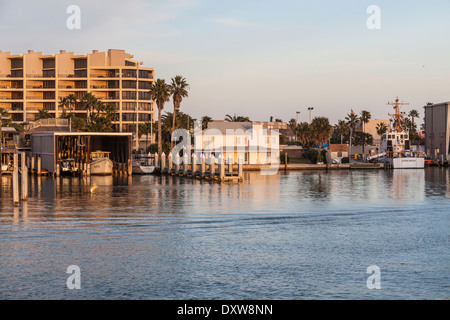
x,y
179,90
145,129
236,118
365,117
381,128
342,128
160,92
303,133
77,124
321,131
63,103
42,114
88,101
205,121
353,122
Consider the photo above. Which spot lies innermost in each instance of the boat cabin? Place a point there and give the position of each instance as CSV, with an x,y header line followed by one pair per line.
x,y
395,142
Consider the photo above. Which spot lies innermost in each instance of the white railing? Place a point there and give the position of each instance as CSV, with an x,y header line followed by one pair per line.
x,y
47,123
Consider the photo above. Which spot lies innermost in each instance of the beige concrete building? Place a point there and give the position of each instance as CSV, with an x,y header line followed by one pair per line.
x,y
437,131
33,81
371,128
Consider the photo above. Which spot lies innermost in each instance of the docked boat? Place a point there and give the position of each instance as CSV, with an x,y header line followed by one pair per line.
x,y
143,165
5,168
68,166
100,163
396,148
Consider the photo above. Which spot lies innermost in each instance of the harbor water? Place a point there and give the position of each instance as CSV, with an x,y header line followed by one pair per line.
x,y
293,235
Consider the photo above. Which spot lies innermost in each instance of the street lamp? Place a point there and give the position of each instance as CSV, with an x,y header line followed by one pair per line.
x,y
310,109
297,112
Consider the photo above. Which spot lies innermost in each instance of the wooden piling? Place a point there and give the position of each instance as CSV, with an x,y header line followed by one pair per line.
x,y
230,165
169,163
163,162
39,162
240,168
185,162
16,179
212,166
203,165
24,177
177,163
221,168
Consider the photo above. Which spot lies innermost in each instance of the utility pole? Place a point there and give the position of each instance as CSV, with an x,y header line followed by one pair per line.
x,y
298,112
310,109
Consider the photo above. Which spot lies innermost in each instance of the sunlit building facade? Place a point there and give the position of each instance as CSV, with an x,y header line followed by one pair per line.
x,y
33,81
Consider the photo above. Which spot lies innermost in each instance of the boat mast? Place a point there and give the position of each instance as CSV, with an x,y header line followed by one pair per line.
x,y
398,116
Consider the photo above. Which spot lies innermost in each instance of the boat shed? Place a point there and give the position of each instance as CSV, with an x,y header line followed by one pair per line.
x,y
53,147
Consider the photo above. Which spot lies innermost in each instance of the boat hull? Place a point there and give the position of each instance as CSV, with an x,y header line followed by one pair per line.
x,y
137,169
101,167
407,163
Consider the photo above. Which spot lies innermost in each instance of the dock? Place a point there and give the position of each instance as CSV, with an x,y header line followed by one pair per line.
x,y
198,166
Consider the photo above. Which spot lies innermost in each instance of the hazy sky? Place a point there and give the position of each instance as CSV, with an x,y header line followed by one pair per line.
x,y
259,58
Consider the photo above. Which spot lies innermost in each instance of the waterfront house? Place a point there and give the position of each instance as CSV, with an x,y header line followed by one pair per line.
x,y
251,141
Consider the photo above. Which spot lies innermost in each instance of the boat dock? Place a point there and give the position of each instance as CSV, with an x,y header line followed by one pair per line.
x,y
200,167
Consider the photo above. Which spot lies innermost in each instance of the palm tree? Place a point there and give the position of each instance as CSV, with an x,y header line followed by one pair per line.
x,y
236,118
413,114
179,90
42,114
62,103
353,122
342,128
321,131
89,101
303,133
205,121
365,117
160,92
382,128
71,100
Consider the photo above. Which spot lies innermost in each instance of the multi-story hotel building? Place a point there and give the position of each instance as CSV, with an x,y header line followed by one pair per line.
x,y
33,81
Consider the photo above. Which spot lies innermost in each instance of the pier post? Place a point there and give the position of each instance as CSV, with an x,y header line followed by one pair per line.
x,y
88,170
203,165
39,162
221,168
57,170
194,164
170,163
185,162
230,165
16,179
158,165
240,168
212,166
163,162
32,164
24,177
177,163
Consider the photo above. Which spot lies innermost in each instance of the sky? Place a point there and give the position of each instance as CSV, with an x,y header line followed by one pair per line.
x,y
259,58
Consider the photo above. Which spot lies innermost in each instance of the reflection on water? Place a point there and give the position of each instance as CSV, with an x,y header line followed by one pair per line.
x,y
306,234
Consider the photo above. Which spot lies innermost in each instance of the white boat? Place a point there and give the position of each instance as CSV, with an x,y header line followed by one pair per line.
x,y
396,148
143,165
68,166
4,168
100,163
